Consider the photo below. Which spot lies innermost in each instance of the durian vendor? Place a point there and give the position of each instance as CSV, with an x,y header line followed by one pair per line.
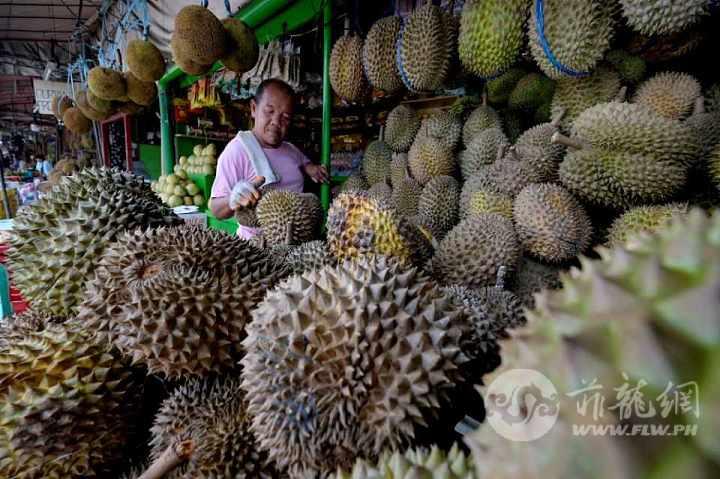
x,y
261,157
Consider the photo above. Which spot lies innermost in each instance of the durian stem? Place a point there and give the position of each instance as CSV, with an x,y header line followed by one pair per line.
x,y
173,456
622,95
699,106
289,234
558,118
560,139
382,132
484,98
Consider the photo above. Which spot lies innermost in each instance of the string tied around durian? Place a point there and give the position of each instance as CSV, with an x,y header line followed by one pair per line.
x,y
540,28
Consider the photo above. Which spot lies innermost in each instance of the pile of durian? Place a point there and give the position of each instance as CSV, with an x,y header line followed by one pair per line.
x,y
584,244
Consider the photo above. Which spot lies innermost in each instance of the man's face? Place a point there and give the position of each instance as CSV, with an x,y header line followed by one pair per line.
x,y
272,116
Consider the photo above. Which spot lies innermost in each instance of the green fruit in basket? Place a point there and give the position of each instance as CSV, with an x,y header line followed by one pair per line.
x,y
172,179
198,150
192,189
198,200
178,190
188,200
174,201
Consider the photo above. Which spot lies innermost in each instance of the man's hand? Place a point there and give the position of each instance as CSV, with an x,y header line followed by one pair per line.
x,y
245,193
317,173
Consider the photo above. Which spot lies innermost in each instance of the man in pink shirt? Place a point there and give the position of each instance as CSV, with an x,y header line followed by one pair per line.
x,y
236,181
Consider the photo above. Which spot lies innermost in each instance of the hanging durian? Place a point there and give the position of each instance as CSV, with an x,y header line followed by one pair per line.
x,y
242,50
199,37
379,55
106,83
423,57
145,60
346,69
660,17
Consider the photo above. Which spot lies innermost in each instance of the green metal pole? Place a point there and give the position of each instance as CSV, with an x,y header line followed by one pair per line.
x,y
327,102
167,153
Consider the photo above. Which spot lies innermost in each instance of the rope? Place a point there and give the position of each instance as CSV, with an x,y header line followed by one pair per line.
x,y
227,7
204,3
540,28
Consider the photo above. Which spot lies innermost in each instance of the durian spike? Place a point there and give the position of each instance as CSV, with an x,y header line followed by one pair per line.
x,y
622,95
560,139
500,281
558,118
173,456
699,105
512,151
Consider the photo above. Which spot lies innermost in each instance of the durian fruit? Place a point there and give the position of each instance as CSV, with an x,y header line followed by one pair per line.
x,y
309,256
82,103
706,126
376,162
76,122
181,59
482,150
533,277
631,68
430,157
627,156
438,205
514,123
242,46
473,251
481,118
574,95
379,55
531,91
454,464
509,175
536,148
401,126
106,83
487,200
355,182
58,240
658,17
642,219
406,196
398,168
67,404
209,418
144,60
669,94
500,88
551,224
60,105
358,225
140,92
150,297
381,191
444,126
714,166
423,57
129,108
491,35
346,69
346,361
199,37
578,34
103,107
287,217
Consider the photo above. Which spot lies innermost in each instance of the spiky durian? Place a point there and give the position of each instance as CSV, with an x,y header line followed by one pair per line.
x,y
366,381
473,251
578,34
381,191
67,404
630,67
209,417
574,95
145,60
531,91
379,52
106,83
430,157
346,70
423,58
535,147
358,225
500,88
199,36
658,17
287,217
140,92
481,118
628,156
438,204
491,35
669,94
309,256
242,50
76,122
180,58
57,241
82,102
102,106
355,182
642,219
405,197
376,162
150,298
398,168
401,126
533,277
551,224
444,126
706,126
487,200
509,175
482,150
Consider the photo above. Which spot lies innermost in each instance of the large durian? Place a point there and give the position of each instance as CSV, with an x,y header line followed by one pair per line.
x,y
103,107
60,104
405,197
145,60
140,92
67,404
530,92
181,59
401,126
242,46
358,225
642,219
58,240
488,200
82,102
491,35
473,251
574,95
199,37
551,224
76,122
577,33
509,175
627,155
423,57
346,361
106,83
379,51
346,69
669,94
483,150
429,157
481,118
175,311
288,217
706,126
535,147
533,277
438,205
660,17
309,256
376,162
355,182
500,88
631,68
398,168
381,191
209,419
444,126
